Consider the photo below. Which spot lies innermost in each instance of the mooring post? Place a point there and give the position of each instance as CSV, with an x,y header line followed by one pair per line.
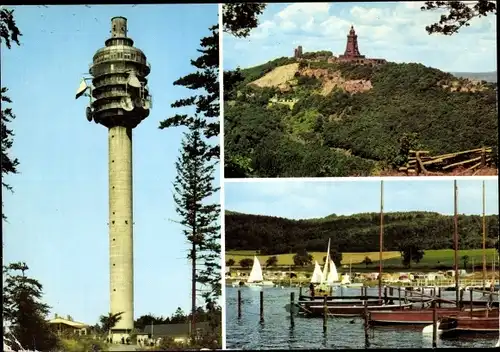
x,y
331,291
365,315
239,303
399,295
325,313
261,306
439,295
460,304
300,292
434,324
471,302
385,294
292,307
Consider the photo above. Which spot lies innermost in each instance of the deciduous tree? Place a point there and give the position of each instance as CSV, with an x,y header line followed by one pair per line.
x,y
272,261
246,263
459,14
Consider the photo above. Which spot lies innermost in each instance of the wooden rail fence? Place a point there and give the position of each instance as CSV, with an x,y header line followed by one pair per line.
x,y
420,162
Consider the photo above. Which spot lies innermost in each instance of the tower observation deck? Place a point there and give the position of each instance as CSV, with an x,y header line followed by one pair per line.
x,y
121,100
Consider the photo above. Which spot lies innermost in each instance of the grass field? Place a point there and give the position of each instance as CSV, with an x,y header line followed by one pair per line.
x,y
432,258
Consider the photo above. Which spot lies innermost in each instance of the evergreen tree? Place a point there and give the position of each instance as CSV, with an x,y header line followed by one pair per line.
x,y
24,311
192,189
8,33
205,81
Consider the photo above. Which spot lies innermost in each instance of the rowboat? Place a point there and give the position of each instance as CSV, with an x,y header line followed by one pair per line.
x,y
423,316
454,325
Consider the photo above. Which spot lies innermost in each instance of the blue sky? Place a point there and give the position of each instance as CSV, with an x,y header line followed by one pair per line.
x,y
302,199
59,212
391,30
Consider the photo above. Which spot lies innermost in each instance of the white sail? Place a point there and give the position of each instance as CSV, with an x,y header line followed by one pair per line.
x,y
333,276
327,260
317,276
256,273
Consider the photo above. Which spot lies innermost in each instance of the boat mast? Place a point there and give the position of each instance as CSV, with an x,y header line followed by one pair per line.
x,y
484,238
381,240
455,239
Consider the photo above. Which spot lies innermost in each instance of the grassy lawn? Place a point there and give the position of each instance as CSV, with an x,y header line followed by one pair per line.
x,y
432,258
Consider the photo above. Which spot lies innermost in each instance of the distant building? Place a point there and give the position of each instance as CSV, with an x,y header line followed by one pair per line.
x,y
179,333
68,325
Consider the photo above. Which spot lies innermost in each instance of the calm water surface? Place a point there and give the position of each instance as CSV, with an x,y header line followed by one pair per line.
x,y
275,332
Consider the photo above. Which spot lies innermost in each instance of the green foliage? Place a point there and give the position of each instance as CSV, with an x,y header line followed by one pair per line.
x,y
24,311
193,187
459,14
240,18
409,107
355,233
465,260
316,54
77,343
9,32
230,262
109,321
411,250
205,82
254,73
272,261
246,262
302,258
367,261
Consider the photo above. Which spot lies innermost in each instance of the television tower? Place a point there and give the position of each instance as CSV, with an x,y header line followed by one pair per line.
x,y
119,100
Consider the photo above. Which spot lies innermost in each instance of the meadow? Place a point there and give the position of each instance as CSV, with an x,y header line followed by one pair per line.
x,y
391,260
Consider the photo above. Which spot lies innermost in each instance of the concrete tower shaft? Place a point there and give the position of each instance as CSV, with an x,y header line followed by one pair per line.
x,y
121,101
121,247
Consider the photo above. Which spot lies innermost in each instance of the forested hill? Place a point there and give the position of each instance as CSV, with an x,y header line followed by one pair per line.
x,y
293,119
355,233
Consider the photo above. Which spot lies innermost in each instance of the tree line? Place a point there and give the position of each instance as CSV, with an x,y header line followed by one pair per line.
x,y
356,233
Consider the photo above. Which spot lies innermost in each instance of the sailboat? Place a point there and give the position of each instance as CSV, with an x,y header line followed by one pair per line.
x,y
330,277
317,275
255,279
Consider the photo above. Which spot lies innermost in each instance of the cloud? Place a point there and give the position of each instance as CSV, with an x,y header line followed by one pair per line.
x,y
395,31
298,199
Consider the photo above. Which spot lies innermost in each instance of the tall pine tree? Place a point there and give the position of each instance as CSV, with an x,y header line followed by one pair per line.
x,y
24,311
193,187
205,81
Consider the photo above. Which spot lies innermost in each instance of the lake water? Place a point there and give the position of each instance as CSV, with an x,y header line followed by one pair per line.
x,y
275,332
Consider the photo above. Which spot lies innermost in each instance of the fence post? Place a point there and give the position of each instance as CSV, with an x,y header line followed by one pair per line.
x,y
292,307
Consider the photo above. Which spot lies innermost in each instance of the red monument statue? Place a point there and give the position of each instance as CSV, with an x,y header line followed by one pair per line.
x,y
351,49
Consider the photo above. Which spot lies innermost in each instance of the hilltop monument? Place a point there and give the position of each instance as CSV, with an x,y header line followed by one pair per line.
x,y
351,53
351,48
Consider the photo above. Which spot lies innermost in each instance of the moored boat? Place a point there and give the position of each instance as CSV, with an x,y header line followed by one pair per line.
x,y
314,309
423,316
454,325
